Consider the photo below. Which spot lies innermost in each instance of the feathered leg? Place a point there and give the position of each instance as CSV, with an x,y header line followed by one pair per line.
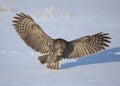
x,y
55,65
50,62
43,58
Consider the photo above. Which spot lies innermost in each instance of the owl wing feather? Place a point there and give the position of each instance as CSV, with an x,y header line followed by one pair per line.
x,y
32,33
86,45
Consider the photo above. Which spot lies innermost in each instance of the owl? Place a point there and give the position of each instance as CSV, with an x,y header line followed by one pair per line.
x,y
52,51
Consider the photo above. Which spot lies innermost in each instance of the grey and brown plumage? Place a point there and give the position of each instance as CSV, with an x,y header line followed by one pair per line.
x,y
53,50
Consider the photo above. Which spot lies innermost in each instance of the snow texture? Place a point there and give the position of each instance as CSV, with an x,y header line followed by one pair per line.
x,y
68,19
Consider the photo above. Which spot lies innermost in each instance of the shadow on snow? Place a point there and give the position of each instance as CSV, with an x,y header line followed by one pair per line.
x,y
103,57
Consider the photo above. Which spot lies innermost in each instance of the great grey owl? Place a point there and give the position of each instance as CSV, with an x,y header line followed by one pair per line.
x,y
53,50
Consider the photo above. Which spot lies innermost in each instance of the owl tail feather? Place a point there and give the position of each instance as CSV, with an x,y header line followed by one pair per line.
x,y
54,66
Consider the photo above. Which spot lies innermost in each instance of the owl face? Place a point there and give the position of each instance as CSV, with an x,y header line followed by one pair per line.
x,y
59,47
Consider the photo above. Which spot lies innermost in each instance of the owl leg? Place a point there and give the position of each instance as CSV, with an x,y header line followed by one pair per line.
x,y
53,65
43,58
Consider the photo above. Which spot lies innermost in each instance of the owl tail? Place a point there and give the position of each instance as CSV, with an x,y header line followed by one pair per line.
x,y
55,65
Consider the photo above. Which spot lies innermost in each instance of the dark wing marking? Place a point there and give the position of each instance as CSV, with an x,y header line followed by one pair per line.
x,y
86,45
32,33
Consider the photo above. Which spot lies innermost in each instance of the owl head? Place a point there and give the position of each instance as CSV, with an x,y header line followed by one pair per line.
x,y
59,46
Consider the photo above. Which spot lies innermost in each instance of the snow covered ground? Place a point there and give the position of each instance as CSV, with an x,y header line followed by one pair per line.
x,y
68,19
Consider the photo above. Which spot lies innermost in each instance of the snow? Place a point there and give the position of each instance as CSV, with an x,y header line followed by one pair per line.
x,y
68,19
117,53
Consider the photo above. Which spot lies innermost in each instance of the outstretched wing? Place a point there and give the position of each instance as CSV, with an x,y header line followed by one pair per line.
x,y
32,33
86,45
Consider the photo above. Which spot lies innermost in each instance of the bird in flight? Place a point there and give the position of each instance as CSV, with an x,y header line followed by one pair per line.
x,y
54,50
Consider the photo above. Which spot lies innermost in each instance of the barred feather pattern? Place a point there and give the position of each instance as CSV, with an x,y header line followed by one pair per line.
x,y
87,45
45,59
55,49
55,65
32,33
